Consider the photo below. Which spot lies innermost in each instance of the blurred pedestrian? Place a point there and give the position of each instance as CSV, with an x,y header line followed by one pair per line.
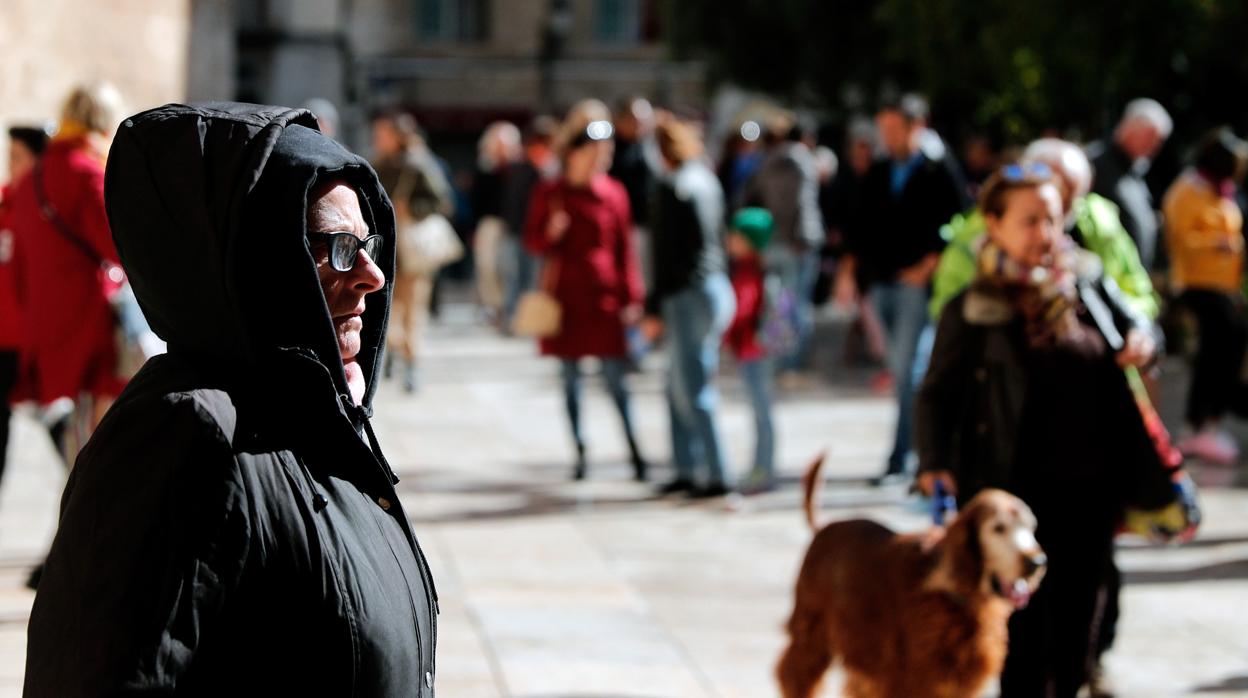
x,y
536,163
1089,219
691,304
26,144
580,223
844,198
895,244
634,124
1204,234
1026,393
787,184
327,118
1121,165
233,526
748,236
422,200
739,158
63,245
497,150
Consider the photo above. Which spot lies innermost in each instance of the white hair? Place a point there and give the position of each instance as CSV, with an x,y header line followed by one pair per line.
x,y
1067,159
1148,111
503,132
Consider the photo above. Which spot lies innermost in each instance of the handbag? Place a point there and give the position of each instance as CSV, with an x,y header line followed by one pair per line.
x,y
538,313
427,245
135,341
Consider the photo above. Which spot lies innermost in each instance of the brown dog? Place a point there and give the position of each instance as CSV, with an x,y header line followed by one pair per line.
x,y
910,615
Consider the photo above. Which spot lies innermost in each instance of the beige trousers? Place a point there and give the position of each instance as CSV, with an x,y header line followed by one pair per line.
x,y
409,313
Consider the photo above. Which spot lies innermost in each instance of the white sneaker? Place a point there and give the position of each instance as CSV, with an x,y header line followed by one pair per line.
x,y
1212,445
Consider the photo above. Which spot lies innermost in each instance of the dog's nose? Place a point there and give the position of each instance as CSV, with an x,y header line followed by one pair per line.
x,y
1032,563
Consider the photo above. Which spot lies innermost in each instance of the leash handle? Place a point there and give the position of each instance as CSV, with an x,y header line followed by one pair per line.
x,y
943,504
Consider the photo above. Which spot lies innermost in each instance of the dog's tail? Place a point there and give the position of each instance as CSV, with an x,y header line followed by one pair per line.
x,y
810,488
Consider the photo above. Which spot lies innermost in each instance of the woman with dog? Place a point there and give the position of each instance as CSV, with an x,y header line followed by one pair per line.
x,y
1026,392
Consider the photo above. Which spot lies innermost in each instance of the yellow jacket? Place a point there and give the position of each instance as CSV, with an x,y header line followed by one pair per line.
x,y
1204,233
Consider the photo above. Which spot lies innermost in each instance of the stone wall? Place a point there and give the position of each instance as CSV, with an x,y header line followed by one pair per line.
x,y
51,45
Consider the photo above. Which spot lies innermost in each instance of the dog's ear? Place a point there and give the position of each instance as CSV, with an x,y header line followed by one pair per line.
x,y
964,558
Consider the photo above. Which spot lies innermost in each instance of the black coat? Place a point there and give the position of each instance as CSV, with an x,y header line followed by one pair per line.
x,y
1118,180
232,527
887,234
685,232
1049,425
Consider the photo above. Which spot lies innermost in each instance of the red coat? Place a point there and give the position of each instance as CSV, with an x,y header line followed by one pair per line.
x,y
10,309
597,275
69,345
748,282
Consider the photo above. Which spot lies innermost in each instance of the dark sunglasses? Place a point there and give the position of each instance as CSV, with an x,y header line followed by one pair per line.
x,y
1034,170
344,248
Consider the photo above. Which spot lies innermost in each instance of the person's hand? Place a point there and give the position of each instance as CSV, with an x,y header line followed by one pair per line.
x,y
632,314
845,293
651,328
928,479
557,225
919,273
1138,349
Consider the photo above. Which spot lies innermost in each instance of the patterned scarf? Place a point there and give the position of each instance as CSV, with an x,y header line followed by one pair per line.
x,y
1047,296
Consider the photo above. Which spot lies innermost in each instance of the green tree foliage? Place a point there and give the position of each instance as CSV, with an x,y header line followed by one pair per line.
x,y
1016,69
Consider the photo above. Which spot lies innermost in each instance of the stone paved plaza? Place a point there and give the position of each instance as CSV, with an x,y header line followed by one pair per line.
x,y
555,589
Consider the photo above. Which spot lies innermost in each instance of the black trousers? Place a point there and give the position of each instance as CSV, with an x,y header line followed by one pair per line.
x,y
8,376
1054,641
1223,333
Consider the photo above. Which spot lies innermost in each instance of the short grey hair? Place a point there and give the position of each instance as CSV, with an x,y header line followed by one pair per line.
x,y
1148,111
1066,159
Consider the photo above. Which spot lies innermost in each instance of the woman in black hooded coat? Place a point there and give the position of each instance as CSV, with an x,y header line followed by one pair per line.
x,y
232,528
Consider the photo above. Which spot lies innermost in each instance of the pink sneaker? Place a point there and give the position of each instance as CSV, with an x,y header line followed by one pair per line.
x,y
1211,445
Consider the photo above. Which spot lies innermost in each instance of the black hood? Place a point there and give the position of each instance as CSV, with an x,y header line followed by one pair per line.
x,y
207,205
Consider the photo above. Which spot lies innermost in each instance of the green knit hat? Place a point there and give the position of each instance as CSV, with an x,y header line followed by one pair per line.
x,y
755,224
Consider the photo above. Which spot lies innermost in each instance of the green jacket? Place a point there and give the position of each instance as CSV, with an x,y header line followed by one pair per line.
x,y
1097,221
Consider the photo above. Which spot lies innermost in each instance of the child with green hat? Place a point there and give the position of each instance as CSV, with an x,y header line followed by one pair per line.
x,y
748,235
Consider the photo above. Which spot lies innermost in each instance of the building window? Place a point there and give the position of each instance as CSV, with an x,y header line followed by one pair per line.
x,y
452,20
627,21
617,21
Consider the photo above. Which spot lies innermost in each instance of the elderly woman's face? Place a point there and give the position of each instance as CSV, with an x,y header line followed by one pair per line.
x,y
334,208
1029,227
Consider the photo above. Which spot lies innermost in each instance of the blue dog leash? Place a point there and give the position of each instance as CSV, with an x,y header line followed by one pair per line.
x,y
943,504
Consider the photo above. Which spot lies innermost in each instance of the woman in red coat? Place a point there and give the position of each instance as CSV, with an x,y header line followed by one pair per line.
x,y
25,145
69,349
581,223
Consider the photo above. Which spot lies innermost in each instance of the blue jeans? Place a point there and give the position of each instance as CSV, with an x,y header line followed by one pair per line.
x,y
520,268
903,312
695,320
798,271
613,372
756,375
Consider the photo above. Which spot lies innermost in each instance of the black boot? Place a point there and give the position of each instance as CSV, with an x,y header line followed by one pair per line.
x,y
640,466
579,470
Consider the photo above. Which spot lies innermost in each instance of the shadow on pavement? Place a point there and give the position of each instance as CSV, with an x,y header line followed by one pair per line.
x,y
1232,569
1234,683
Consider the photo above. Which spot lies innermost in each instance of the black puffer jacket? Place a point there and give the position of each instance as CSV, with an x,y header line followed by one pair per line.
x,y
232,528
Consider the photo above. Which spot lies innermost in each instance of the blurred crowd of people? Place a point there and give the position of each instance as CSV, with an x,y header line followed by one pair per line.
x,y
1015,299
997,291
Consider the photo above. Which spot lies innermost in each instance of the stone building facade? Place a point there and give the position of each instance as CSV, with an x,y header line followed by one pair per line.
x,y
49,46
